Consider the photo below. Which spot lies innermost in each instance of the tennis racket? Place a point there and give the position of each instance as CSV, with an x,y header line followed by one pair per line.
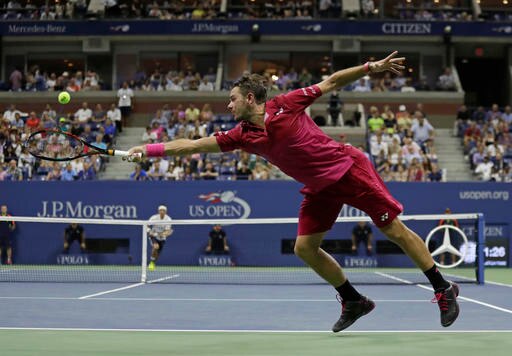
x,y
56,145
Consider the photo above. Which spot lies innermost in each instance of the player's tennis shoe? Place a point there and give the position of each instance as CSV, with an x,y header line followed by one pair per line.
x,y
151,266
351,311
447,301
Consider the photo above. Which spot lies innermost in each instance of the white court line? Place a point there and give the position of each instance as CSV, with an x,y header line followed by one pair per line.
x,y
251,300
262,331
492,306
499,284
112,290
128,287
393,277
486,280
163,279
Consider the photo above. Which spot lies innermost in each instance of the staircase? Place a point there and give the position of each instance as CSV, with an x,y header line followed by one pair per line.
x,y
117,168
451,156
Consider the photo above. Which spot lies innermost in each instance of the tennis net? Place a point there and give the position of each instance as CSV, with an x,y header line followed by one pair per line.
x,y
261,251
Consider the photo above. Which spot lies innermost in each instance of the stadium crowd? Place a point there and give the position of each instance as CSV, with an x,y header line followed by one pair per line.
x,y
16,163
163,79
419,10
173,80
36,79
486,135
402,145
192,122
399,83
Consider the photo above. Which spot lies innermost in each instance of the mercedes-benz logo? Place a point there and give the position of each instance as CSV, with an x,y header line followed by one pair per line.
x,y
446,246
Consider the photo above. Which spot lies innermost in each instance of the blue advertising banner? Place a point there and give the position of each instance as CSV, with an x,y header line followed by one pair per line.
x,y
250,245
244,27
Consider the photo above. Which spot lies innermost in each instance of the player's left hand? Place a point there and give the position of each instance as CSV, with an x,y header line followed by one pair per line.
x,y
390,63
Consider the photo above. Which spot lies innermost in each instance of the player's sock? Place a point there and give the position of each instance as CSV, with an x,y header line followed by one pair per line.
x,y
436,279
348,292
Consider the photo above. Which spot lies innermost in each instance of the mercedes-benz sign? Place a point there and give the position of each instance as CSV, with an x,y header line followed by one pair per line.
x,y
446,245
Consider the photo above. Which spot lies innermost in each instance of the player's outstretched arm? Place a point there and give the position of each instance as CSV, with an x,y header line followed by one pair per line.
x,y
349,75
179,147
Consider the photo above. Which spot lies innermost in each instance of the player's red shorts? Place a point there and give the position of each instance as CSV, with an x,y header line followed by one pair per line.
x,y
361,187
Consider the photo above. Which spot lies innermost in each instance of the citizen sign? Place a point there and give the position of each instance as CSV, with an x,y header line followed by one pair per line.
x,y
68,209
398,28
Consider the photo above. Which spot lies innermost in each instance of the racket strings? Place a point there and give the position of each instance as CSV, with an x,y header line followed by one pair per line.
x,y
54,145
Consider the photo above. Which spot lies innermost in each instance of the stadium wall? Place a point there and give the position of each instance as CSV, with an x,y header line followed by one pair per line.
x,y
254,245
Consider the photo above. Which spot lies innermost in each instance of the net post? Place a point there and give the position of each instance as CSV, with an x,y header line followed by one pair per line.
x,y
144,259
480,248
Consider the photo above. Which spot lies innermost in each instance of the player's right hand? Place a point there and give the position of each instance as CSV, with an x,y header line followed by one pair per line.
x,y
135,154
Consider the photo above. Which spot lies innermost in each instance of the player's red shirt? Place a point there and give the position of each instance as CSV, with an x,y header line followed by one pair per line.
x,y
292,141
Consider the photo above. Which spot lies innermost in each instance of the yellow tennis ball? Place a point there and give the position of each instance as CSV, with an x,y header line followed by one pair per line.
x,y
64,97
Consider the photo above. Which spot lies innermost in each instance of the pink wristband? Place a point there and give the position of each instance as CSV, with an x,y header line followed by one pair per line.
x,y
155,150
366,67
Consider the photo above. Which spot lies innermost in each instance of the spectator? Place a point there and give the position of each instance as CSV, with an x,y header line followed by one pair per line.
x,y
378,147
6,232
50,112
99,115
192,113
99,142
494,115
54,173
324,8
334,108
403,119
415,172
84,114
149,136
209,172
72,86
484,169
89,172
446,81
156,172
205,85
158,234
74,232
435,175
389,118
362,232
217,241
362,86
68,174
110,131
13,172
33,121
139,173
507,115
244,172
125,103
15,79
421,130
375,121
10,114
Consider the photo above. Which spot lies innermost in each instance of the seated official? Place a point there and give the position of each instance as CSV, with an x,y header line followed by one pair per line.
x,y
362,233
217,242
74,232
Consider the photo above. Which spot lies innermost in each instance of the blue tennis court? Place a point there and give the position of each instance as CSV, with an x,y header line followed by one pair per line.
x,y
259,314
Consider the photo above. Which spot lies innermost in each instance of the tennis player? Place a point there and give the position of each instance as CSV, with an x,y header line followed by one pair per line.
x,y
159,234
333,174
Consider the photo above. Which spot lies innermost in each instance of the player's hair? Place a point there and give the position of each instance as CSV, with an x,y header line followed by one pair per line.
x,y
253,83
